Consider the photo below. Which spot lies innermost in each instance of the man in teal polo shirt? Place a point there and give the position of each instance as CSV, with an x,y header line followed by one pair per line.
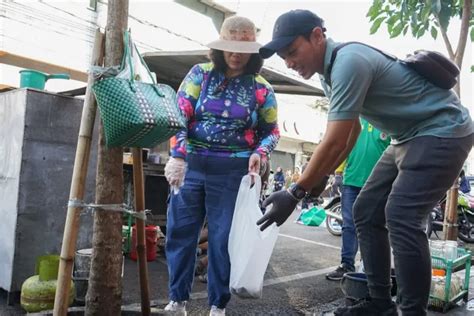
x,y
370,145
431,134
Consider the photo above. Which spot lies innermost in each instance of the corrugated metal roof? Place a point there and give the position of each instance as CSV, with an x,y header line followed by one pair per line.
x,y
172,66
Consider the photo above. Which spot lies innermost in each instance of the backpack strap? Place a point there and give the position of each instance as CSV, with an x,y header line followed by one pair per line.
x,y
337,48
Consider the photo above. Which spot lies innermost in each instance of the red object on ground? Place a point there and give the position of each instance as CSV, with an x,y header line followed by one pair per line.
x,y
151,237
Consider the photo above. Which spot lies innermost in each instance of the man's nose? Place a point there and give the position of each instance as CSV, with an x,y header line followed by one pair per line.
x,y
289,63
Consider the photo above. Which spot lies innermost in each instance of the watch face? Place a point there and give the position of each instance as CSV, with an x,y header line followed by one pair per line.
x,y
298,191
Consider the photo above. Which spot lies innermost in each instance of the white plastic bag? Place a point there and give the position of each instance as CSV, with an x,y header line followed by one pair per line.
x,y
249,248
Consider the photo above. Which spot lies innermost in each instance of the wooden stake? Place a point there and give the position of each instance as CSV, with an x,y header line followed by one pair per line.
x,y
451,213
138,185
79,174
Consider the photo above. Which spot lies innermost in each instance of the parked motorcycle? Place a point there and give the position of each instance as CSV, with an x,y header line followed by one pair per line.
x,y
465,211
334,216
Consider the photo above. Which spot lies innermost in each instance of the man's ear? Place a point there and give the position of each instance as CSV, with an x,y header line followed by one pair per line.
x,y
317,35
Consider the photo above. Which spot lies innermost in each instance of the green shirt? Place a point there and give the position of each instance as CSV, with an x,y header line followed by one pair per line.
x,y
366,152
391,96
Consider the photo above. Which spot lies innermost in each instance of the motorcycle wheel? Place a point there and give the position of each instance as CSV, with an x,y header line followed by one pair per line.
x,y
466,231
333,225
428,225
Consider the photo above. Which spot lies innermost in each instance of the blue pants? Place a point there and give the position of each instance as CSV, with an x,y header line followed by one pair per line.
x,y
406,183
349,235
210,189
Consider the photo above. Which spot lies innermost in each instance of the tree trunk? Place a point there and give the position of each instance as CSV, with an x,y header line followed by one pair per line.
x,y
451,215
104,294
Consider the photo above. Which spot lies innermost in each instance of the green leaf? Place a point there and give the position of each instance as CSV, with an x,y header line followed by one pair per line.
x,y
394,18
472,68
414,28
421,32
425,13
444,15
375,9
436,6
405,30
396,30
472,34
434,32
376,25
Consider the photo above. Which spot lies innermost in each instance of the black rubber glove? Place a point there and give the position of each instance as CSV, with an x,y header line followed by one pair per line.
x,y
318,189
283,205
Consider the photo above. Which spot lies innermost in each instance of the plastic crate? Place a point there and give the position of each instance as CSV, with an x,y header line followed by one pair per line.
x,y
463,261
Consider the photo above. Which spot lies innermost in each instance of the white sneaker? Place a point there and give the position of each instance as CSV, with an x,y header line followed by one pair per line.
x,y
178,308
216,311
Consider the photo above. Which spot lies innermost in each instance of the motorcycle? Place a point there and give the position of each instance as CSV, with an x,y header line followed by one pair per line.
x,y
465,212
334,216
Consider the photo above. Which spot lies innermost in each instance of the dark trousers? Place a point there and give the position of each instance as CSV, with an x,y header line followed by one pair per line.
x,y
210,189
349,235
409,179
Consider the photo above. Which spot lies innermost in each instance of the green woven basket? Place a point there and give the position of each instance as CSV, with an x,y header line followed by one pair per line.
x,y
134,113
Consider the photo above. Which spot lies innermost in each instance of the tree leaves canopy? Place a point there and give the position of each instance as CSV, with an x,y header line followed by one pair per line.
x,y
428,16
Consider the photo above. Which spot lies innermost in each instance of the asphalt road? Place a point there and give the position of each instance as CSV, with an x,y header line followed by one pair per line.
x,y
294,283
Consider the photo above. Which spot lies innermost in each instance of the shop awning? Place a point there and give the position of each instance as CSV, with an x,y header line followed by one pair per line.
x,y
171,67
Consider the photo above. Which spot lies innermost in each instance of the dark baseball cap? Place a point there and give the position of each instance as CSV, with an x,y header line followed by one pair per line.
x,y
288,27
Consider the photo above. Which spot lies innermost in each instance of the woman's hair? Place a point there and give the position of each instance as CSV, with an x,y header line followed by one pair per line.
x,y
254,65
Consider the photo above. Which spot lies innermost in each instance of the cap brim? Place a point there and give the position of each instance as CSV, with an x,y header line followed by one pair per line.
x,y
236,46
274,46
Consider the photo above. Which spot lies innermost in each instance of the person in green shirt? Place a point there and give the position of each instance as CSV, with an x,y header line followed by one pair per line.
x,y
370,145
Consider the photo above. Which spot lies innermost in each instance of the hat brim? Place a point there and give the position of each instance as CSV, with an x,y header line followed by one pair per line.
x,y
274,46
235,46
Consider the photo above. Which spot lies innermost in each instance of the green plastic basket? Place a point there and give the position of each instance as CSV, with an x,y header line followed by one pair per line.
x,y
462,262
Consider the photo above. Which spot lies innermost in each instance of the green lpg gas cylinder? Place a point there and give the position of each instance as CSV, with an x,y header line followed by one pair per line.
x,y
38,291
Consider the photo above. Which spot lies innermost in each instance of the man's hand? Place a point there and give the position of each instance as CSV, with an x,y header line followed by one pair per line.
x,y
283,205
318,189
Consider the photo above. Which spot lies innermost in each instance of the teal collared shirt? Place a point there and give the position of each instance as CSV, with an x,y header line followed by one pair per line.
x,y
391,96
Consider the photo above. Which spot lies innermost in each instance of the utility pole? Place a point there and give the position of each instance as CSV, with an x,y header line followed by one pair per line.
x,y
104,295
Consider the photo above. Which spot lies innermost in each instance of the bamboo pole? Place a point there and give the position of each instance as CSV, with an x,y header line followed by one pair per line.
x,y
79,175
138,186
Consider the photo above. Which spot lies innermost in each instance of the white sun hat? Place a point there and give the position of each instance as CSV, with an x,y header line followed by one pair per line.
x,y
238,35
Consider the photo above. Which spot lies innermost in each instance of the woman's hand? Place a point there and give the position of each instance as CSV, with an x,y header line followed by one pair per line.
x,y
175,170
254,163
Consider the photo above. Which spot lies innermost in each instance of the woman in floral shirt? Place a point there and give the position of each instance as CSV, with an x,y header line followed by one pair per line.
x,y
231,115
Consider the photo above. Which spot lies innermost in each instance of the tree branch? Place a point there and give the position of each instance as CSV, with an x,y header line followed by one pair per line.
x,y
466,17
447,43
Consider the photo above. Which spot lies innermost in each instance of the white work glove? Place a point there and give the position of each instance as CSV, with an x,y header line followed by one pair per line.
x,y
175,170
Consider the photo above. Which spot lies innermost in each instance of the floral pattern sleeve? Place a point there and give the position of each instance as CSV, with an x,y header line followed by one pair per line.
x,y
188,95
267,126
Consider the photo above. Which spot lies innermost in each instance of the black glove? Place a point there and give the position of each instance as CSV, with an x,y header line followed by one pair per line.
x,y
283,205
318,189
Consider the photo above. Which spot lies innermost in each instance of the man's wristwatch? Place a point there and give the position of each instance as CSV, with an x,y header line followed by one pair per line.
x,y
297,191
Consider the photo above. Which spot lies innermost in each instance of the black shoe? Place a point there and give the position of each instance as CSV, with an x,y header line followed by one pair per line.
x,y
367,308
337,274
